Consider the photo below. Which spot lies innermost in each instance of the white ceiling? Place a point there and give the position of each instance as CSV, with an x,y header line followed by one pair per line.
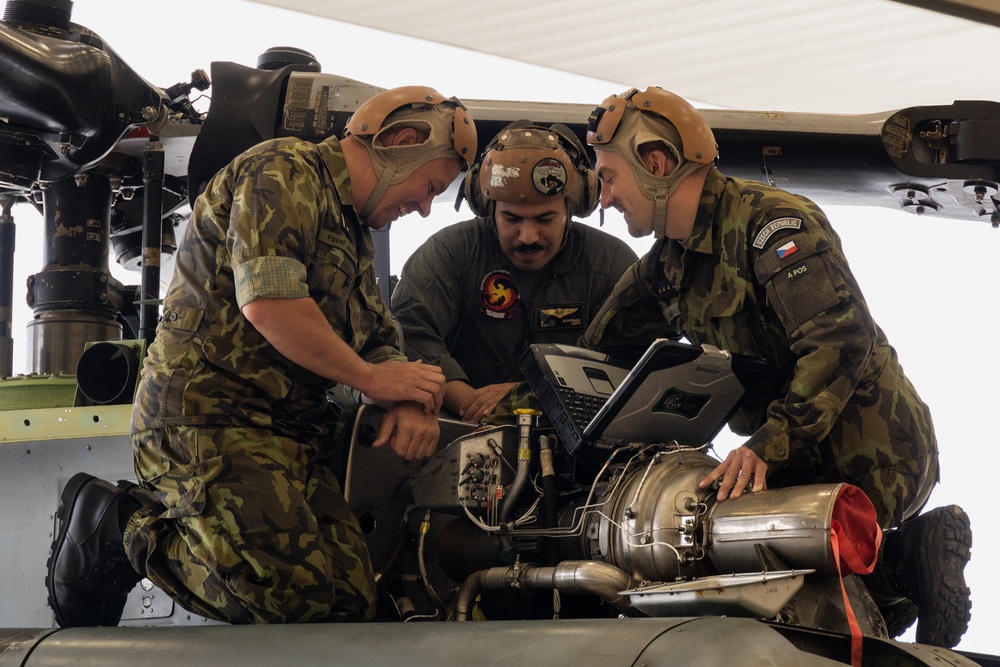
x,y
832,56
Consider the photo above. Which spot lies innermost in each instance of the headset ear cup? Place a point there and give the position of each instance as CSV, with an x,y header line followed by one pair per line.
x,y
473,194
589,194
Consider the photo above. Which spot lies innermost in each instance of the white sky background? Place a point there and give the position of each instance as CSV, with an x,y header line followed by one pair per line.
x,y
930,283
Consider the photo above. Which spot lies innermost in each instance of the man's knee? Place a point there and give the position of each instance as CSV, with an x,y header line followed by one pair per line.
x,y
324,583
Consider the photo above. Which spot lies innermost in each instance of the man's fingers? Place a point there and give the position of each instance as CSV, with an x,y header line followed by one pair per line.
x,y
412,445
401,445
760,476
711,477
385,433
740,484
427,447
475,409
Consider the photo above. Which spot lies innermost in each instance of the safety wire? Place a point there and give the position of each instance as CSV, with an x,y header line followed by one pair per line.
x,y
631,536
579,513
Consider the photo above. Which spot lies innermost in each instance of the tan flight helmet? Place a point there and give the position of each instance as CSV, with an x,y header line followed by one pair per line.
x,y
530,164
623,123
450,129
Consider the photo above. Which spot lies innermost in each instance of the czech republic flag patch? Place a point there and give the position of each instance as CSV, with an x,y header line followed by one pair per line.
x,y
786,250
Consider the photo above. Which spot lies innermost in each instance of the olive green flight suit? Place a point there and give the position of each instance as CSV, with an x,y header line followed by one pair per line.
x,y
464,307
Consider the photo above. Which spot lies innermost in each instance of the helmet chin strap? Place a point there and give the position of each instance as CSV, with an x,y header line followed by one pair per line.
x,y
666,186
660,212
569,222
384,181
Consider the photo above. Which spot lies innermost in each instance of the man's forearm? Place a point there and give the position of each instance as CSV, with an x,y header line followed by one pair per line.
x,y
297,329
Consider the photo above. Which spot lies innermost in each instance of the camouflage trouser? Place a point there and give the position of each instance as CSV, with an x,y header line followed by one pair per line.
x,y
897,490
256,529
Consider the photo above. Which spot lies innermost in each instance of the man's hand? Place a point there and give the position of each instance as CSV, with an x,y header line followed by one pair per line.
x,y
299,330
481,401
740,467
392,381
412,432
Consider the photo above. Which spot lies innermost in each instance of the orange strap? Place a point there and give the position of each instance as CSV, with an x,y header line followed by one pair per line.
x,y
852,621
855,537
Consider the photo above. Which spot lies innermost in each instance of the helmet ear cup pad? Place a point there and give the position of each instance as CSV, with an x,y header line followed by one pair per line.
x,y
473,193
373,115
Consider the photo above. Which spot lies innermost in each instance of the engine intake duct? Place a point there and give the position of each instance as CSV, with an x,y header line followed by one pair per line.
x,y
107,372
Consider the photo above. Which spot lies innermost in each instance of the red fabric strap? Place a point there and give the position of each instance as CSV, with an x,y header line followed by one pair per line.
x,y
855,537
852,621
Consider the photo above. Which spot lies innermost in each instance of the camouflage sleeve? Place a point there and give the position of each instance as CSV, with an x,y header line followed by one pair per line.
x,y
830,331
428,303
631,317
378,354
273,223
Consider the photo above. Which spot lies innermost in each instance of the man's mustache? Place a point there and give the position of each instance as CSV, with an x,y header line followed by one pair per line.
x,y
531,247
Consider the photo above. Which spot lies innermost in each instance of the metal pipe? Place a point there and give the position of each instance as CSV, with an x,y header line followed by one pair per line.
x,y
7,235
73,299
152,236
425,527
587,577
608,642
525,422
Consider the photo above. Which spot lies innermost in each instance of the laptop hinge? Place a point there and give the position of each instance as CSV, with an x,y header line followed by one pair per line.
x,y
714,360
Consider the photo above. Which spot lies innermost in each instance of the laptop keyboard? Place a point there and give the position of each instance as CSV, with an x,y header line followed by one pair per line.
x,y
582,407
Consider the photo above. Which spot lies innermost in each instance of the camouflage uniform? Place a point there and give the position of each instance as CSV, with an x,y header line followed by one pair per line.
x,y
232,437
763,274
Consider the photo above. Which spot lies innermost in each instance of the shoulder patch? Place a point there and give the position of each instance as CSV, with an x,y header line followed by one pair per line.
x,y
770,228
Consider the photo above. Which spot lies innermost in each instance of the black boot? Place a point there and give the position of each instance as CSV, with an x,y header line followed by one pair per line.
x,y
89,575
925,559
898,612
899,617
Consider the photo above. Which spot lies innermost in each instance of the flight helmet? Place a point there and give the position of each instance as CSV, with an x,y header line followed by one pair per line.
x,y
624,123
529,164
450,129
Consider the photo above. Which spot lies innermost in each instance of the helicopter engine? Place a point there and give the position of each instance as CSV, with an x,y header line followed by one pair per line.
x,y
634,531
